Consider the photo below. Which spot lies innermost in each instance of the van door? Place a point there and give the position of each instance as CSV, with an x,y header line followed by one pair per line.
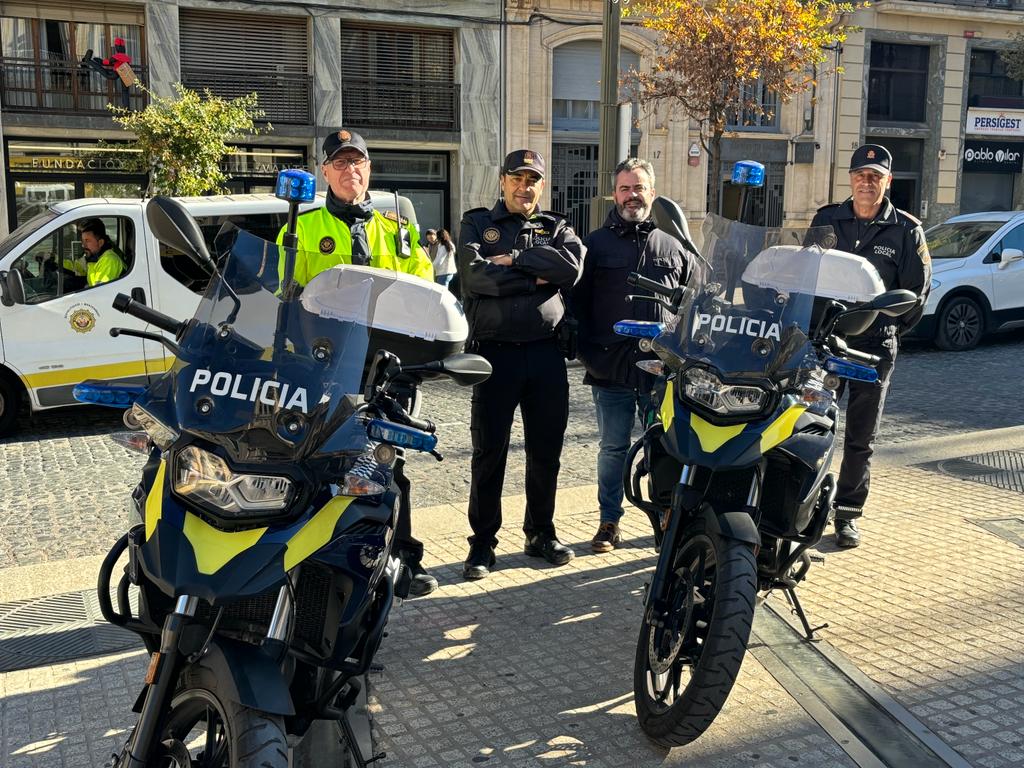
x,y
1008,282
61,335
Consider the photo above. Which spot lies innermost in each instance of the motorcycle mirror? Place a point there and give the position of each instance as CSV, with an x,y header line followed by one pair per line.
x,y
174,227
463,368
893,303
13,288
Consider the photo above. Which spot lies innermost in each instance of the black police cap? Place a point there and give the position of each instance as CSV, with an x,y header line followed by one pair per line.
x,y
344,139
873,156
523,160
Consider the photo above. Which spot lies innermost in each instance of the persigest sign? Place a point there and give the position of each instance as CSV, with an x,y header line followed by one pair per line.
x,y
993,156
996,122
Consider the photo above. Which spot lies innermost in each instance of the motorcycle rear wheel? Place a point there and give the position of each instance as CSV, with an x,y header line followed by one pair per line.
x,y
684,671
217,732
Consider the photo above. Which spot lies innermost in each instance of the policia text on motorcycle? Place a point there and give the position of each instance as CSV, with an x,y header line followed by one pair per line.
x,y
513,262
869,225
348,230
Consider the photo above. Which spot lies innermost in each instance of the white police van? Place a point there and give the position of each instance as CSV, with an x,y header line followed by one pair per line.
x,y
58,334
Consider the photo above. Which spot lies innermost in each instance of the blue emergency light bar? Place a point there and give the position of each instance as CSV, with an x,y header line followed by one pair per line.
x,y
748,173
847,370
401,435
103,393
641,329
295,186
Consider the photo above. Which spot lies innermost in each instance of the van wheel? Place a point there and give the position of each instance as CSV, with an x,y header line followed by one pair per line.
x,y
961,324
10,399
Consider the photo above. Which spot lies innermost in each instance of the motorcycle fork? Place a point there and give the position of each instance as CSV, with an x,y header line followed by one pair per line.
x,y
160,677
656,600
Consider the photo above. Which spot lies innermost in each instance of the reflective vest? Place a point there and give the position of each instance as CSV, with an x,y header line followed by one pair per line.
x,y
109,266
325,242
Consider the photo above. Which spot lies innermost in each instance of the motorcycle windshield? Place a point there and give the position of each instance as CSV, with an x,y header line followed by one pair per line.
x,y
270,373
749,312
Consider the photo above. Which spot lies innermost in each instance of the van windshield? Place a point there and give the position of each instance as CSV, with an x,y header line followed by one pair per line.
x,y
22,233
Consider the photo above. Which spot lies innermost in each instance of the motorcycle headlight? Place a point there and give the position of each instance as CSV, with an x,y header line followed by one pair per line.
x,y
208,479
706,389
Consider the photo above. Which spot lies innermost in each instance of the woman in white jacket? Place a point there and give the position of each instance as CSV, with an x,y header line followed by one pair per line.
x,y
443,258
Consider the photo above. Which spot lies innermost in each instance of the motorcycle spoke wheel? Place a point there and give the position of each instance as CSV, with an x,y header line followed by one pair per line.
x,y
686,667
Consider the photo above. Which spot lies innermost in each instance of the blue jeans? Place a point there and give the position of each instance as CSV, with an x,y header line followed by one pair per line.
x,y
617,408
443,279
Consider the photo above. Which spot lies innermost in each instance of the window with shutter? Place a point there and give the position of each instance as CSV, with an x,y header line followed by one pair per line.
x,y
234,54
398,77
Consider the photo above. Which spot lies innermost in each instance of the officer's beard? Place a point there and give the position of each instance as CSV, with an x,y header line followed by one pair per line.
x,y
633,215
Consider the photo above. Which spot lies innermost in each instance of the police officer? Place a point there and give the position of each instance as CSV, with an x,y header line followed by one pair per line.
x,y
868,225
348,230
513,261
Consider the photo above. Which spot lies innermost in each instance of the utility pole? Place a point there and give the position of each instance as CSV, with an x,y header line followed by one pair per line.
x,y
607,147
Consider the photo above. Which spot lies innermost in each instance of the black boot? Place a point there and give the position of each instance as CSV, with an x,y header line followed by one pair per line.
x,y
422,583
847,535
479,561
549,547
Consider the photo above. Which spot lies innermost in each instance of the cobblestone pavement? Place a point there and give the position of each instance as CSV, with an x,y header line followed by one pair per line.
x,y
64,485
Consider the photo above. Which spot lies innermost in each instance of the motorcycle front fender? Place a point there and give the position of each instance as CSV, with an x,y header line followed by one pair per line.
x,y
738,526
251,678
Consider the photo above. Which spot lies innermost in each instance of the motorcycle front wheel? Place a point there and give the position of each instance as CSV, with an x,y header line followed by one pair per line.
x,y
203,729
685,669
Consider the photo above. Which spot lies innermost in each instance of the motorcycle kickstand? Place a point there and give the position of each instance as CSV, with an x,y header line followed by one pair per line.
x,y
798,610
353,745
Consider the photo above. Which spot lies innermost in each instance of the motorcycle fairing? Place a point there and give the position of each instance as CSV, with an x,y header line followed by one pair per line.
x,y
184,554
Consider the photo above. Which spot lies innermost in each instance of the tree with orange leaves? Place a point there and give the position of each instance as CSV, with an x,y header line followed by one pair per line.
x,y
708,50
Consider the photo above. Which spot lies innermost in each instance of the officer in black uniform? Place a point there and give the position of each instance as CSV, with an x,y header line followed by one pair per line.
x,y
513,262
868,225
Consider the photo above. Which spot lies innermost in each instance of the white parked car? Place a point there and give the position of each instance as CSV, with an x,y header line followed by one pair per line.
x,y
977,278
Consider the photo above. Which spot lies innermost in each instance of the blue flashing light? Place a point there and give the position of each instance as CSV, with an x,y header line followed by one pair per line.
x,y
748,173
641,329
401,435
296,186
112,395
847,370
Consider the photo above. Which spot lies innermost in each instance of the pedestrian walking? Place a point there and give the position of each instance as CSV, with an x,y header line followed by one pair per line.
x,y
443,258
514,260
869,225
348,230
628,242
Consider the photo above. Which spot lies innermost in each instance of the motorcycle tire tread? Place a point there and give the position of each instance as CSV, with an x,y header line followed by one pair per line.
x,y
716,671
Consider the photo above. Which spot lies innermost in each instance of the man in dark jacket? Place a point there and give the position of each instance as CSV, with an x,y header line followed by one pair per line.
x,y
869,225
628,242
513,262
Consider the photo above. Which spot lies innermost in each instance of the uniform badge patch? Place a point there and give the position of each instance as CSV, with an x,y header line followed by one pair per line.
x,y
491,235
327,245
344,135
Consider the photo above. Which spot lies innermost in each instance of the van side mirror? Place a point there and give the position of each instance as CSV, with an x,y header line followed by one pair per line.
x,y
12,288
173,226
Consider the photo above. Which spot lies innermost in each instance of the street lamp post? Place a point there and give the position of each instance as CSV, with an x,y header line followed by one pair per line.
x,y
608,149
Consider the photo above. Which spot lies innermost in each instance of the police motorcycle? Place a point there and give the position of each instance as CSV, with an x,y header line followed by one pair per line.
x,y
733,469
263,561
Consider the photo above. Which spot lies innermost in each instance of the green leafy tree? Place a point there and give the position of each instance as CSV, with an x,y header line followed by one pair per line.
x,y
1013,57
711,51
182,139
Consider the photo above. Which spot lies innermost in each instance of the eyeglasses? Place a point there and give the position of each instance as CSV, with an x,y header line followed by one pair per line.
x,y
342,163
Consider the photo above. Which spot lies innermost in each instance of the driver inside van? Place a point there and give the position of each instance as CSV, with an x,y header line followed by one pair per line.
x,y
101,261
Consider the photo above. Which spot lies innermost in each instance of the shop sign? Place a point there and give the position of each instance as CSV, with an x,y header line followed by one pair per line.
x,y
62,164
995,122
994,156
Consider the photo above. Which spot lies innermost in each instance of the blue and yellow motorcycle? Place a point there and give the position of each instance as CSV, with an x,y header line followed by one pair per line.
x,y
733,469
262,561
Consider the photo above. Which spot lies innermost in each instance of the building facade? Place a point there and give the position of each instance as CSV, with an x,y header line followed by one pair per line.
x,y
420,82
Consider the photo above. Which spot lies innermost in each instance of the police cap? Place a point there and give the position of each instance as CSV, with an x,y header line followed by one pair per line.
x,y
343,139
872,156
523,160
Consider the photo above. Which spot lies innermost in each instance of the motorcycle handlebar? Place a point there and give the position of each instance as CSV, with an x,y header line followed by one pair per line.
x,y
862,357
638,281
396,412
130,306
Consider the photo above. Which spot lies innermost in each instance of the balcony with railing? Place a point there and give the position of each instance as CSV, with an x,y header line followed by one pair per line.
x,y
286,98
998,5
375,103
64,87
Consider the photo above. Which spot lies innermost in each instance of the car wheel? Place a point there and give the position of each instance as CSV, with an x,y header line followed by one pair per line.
x,y
9,401
961,324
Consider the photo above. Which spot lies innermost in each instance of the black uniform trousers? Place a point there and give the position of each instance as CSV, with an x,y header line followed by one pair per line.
x,y
864,405
530,375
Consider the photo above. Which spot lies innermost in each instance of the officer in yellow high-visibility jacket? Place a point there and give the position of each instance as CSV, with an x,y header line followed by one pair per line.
x,y
102,262
347,230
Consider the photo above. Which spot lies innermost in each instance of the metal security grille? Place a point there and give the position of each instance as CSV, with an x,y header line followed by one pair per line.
x,y
234,54
1002,469
399,77
574,182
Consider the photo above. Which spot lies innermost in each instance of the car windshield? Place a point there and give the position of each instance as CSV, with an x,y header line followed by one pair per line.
x,y
24,231
959,240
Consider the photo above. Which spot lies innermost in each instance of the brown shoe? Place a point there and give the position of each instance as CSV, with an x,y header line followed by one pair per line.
x,y
607,538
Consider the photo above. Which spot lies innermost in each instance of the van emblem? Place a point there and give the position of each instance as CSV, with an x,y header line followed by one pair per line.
x,y
491,235
327,245
82,321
